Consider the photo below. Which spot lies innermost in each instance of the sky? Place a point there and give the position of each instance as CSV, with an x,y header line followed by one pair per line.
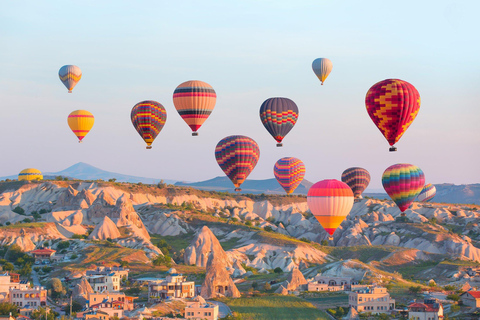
x,y
248,51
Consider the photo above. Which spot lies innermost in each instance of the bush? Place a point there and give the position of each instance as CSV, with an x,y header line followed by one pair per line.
x,y
305,240
73,256
268,228
19,210
7,223
43,211
454,297
267,286
248,223
164,260
415,290
78,236
63,245
278,270
324,243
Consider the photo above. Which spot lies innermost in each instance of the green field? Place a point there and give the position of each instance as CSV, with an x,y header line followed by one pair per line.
x,y
275,308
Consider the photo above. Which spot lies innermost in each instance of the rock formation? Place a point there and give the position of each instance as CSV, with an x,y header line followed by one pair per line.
x,y
81,291
217,281
202,247
295,280
25,243
282,290
106,229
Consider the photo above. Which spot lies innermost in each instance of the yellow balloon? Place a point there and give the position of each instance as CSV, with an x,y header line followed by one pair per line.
x,y
81,122
30,174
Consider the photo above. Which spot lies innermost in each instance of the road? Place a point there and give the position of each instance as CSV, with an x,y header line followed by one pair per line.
x,y
223,309
35,280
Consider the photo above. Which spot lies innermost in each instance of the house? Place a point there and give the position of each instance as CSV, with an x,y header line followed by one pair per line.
x,y
33,297
96,315
430,309
7,317
42,255
119,271
11,281
200,309
111,308
104,282
96,298
175,286
373,299
328,283
471,298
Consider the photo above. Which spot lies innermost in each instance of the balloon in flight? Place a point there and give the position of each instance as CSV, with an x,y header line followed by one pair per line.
x,y
427,193
392,105
322,68
148,117
278,115
330,201
237,156
403,182
30,174
289,172
70,75
357,179
194,101
80,122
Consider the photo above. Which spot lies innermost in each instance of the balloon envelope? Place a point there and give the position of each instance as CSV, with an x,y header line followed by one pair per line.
x,y
427,193
392,105
237,156
357,179
330,201
278,115
289,172
322,68
30,174
148,117
403,182
70,75
80,122
194,101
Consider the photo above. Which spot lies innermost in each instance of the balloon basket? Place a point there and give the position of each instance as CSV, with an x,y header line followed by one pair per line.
x,y
149,147
69,91
79,141
330,238
194,134
392,149
238,189
279,144
403,214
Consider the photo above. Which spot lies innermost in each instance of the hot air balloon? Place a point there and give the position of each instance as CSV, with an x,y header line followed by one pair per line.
x,y
392,104
403,182
194,101
330,201
81,122
289,172
70,75
357,179
322,68
148,118
427,193
278,115
30,174
237,156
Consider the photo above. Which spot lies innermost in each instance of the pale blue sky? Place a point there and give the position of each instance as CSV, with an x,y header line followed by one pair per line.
x,y
248,51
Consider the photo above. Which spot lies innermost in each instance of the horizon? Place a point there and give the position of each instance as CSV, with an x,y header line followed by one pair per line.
x,y
253,51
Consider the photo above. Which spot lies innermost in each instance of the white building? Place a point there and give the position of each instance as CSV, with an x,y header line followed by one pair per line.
x,y
375,300
108,282
430,309
201,310
10,281
174,286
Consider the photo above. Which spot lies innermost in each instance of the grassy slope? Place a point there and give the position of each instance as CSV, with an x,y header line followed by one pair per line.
x,y
275,308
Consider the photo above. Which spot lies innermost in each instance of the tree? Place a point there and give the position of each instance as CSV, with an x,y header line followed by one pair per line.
x,y
267,286
324,243
8,267
415,290
26,270
75,307
39,314
278,270
36,216
14,252
254,285
57,288
454,297
19,210
112,180
63,245
6,308
268,228
124,263
161,184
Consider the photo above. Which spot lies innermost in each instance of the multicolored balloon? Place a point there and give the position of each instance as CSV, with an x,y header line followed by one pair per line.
x,y
357,179
289,172
392,104
330,201
237,156
30,174
427,193
80,122
322,68
70,75
278,115
403,182
194,101
148,118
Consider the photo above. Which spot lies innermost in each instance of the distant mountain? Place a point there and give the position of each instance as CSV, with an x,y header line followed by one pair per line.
x,y
84,171
267,186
